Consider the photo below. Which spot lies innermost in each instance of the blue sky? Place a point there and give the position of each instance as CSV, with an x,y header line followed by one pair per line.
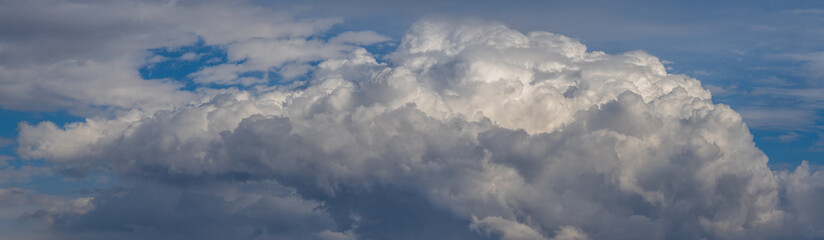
x,y
105,100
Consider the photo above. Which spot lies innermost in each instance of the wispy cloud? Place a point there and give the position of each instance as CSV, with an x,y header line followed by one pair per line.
x,y
785,138
779,118
806,11
785,108
6,141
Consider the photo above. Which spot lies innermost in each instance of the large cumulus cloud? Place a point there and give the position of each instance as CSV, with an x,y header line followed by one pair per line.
x,y
468,130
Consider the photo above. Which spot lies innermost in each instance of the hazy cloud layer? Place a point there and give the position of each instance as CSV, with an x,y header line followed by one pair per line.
x,y
468,130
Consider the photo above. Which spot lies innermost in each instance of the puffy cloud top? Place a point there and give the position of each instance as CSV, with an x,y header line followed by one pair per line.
x,y
469,130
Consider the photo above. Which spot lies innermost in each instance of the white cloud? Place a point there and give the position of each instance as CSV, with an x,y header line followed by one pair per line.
x,y
471,129
360,38
190,56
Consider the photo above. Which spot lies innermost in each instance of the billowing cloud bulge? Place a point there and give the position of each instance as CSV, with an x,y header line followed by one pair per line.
x,y
468,130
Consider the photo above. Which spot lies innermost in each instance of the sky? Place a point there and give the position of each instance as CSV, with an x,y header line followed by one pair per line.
x,y
411,120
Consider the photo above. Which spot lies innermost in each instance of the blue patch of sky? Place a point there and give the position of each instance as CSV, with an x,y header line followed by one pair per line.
x,y
787,149
49,184
378,50
177,64
10,120
175,67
